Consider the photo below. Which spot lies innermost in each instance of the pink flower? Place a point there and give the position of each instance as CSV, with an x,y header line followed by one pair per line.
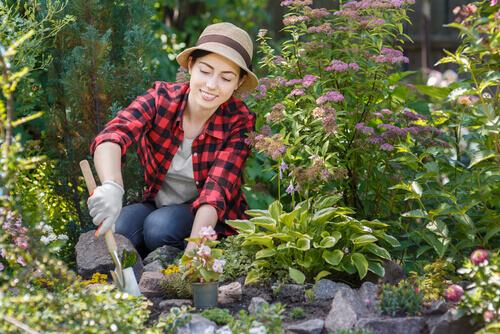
x,y
2,267
478,256
493,3
488,315
454,292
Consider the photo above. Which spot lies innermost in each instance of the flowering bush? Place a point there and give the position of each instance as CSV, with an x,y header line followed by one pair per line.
x,y
203,263
330,111
453,192
481,299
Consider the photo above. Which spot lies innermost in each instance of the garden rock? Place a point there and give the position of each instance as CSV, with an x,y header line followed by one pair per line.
x,y
230,293
326,290
314,326
294,292
368,294
255,303
165,254
167,304
197,324
437,307
149,285
346,310
449,323
412,325
154,266
394,273
92,256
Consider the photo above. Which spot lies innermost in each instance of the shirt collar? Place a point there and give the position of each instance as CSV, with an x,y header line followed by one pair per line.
x,y
216,119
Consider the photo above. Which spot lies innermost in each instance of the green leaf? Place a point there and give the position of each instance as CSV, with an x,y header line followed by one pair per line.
x,y
437,92
287,218
323,215
265,241
262,263
258,213
333,257
302,244
265,222
361,264
252,276
377,250
491,232
281,236
267,252
364,240
376,268
327,242
321,274
387,238
481,156
422,249
416,214
297,275
275,210
242,225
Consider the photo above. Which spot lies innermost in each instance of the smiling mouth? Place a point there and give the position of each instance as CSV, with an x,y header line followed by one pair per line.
x,y
207,95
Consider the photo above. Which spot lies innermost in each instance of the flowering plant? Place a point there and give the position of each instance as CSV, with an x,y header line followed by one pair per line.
x,y
203,263
480,299
328,106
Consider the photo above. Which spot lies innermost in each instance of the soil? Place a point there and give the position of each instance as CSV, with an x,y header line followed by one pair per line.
x,y
312,311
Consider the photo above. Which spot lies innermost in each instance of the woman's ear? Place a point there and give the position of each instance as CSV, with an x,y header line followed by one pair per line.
x,y
242,80
190,64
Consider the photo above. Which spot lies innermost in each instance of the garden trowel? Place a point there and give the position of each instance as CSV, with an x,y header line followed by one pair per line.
x,y
124,278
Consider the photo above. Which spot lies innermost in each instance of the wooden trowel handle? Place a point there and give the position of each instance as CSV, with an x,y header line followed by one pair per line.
x,y
91,185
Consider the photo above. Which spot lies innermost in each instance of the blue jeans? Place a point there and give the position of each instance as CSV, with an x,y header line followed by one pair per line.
x,y
149,227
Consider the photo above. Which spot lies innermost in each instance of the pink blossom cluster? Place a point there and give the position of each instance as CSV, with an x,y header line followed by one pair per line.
x,y
391,56
330,96
454,292
296,92
263,92
317,12
324,28
340,66
378,4
266,142
294,19
12,225
276,114
296,3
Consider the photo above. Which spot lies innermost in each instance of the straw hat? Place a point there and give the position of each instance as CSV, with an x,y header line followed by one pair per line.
x,y
229,41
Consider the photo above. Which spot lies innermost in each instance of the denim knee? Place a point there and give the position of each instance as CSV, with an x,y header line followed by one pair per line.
x,y
168,225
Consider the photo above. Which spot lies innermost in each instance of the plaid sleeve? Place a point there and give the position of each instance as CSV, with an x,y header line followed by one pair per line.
x,y
128,125
223,183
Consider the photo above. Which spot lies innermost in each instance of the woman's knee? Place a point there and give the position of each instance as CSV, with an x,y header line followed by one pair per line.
x,y
167,226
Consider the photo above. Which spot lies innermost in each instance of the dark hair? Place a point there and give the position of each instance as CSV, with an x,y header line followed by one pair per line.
x,y
198,53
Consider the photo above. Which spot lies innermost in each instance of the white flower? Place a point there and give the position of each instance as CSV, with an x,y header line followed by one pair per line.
x,y
218,265
204,251
207,231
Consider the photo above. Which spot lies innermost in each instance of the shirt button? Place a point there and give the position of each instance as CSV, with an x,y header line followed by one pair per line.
x,y
195,154
202,136
197,182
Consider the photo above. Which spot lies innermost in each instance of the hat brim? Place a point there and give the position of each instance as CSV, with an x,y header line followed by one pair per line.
x,y
247,86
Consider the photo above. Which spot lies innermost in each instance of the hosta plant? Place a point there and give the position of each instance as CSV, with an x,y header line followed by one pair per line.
x,y
314,240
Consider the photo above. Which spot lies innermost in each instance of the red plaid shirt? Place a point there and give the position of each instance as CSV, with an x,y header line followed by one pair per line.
x,y
219,152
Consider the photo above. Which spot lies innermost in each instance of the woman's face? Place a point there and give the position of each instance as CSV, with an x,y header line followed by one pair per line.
x,y
213,81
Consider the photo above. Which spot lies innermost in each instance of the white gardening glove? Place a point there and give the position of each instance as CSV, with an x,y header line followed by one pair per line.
x,y
105,205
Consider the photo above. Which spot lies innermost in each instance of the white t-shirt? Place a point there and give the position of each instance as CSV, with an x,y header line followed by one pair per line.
x,y
178,186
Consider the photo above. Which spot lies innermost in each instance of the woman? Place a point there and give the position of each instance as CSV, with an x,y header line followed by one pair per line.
x,y
192,147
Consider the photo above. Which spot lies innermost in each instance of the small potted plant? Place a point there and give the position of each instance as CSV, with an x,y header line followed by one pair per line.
x,y
203,267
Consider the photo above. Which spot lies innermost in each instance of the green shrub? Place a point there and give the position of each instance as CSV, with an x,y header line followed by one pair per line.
x,y
173,286
434,279
268,319
298,313
217,315
312,241
403,299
